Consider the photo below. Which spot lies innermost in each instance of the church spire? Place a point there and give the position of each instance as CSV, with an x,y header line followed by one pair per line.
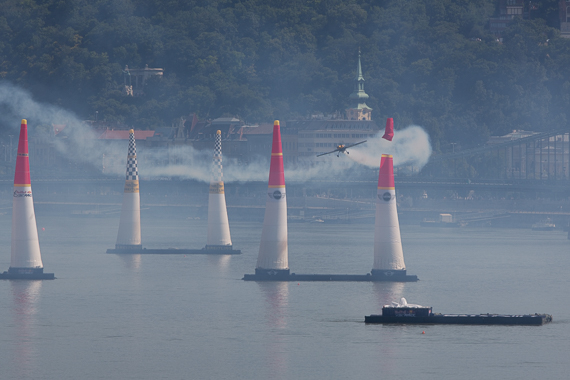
x,y
359,78
359,109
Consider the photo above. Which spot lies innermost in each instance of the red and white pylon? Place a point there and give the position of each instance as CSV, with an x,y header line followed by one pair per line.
x,y
26,257
388,253
273,252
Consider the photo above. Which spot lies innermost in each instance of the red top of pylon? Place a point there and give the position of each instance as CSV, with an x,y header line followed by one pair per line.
x,y
276,174
386,175
22,175
389,132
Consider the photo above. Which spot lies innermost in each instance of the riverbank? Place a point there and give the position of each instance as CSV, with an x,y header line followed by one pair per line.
x,y
246,202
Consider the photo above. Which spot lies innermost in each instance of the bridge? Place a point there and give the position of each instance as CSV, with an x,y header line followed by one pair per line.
x,y
541,156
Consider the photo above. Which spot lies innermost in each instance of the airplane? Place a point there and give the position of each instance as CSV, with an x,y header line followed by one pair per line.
x,y
341,149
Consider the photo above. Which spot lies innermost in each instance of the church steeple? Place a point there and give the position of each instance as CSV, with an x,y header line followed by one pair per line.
x,y
359,110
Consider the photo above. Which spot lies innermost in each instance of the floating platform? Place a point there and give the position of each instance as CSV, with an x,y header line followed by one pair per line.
x,y
424,316
375,276
207,250
434,223
26,274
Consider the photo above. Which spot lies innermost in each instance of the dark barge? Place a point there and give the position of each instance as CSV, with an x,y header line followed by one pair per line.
x,y
423,315
26,274
285,276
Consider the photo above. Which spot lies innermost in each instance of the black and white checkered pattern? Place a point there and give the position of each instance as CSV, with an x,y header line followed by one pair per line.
x,y
132,172
217,174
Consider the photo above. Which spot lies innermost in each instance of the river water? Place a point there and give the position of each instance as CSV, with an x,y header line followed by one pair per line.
x,y
192,317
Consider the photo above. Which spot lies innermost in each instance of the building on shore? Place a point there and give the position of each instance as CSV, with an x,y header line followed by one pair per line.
x,y
509,10
136,79
564,15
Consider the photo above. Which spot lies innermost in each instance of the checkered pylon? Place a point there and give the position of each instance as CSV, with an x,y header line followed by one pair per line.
x,y
217,174
132,172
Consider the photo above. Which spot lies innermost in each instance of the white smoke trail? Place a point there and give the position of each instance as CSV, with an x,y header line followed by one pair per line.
x,y
186,162
81,143
410,146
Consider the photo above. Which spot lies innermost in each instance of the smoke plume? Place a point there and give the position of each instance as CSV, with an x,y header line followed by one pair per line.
x,y
410,146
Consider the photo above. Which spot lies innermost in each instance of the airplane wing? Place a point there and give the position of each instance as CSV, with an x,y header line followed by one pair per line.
x,y
343,149
332,151
358,143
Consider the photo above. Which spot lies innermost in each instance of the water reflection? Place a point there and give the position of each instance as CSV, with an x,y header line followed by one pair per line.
x,y
386,292
222,262
131,261
277,296
276,313
26,296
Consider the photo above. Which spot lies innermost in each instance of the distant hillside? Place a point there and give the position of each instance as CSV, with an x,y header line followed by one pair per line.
x,y
431,63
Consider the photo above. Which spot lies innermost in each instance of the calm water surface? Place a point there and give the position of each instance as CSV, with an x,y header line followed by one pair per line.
x,y
191,317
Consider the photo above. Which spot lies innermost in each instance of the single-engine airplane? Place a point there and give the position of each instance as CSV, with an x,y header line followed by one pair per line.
x,y
341,149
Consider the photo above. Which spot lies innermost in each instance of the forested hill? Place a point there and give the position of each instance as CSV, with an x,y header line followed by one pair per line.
x,y
431,63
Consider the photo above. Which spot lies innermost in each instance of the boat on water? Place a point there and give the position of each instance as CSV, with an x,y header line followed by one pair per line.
x,y
445,221
544,225
405,313
435,223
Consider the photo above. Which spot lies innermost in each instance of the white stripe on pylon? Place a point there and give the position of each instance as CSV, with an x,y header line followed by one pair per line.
x,y
273,249
25,242
388,253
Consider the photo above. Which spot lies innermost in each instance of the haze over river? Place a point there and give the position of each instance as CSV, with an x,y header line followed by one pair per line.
x,y
192,317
